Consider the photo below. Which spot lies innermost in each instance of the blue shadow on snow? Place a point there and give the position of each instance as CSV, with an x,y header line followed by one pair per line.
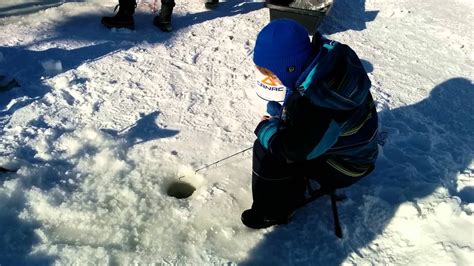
x,y
145,129
347,15
17,236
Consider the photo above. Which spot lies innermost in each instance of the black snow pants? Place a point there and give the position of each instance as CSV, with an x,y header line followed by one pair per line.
x,y
278,187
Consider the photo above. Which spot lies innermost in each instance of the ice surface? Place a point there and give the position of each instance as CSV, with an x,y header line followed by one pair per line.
x,y
100,138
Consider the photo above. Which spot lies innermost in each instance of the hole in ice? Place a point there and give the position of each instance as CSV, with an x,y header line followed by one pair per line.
x,y
180,190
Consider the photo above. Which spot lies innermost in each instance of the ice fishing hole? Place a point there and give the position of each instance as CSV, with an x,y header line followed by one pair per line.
x,y
180,190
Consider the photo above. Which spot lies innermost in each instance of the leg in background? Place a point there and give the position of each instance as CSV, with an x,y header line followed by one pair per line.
x,y
124,16
211,4
163,20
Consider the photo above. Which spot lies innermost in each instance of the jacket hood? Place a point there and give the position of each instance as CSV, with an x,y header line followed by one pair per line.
x,y
336,78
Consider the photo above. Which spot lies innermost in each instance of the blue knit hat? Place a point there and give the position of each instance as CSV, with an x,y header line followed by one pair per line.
x,y
283,47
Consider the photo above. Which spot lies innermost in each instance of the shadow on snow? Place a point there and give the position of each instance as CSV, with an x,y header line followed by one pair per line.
x,y
145,129
347,15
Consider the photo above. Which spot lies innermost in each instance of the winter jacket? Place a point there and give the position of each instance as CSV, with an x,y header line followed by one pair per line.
x,y
330,114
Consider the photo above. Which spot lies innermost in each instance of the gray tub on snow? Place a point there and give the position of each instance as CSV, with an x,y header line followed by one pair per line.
x,y
309,13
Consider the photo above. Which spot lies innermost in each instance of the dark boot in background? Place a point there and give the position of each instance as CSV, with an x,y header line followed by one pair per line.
x,y
211,4
163,20
124,16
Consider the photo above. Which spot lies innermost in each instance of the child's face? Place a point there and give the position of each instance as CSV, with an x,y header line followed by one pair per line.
x,y
269,73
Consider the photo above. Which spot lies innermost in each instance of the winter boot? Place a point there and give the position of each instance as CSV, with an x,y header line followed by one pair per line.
x,y
251,218
211,4
163,20
124,16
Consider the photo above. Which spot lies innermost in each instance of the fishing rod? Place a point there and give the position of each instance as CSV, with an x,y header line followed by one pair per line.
x,y
237,153
216,162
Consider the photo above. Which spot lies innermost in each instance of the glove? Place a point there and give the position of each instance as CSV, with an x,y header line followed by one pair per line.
x,y
273,108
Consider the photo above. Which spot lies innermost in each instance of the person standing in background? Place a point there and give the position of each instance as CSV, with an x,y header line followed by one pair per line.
x,y
126,9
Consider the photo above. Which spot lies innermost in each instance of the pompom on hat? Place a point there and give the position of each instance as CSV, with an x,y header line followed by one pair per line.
x,y
283,46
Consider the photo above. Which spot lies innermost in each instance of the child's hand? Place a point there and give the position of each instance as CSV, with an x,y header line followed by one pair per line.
x,y
273,108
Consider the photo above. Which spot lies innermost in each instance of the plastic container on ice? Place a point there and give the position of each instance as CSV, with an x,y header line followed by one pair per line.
x,y
308,13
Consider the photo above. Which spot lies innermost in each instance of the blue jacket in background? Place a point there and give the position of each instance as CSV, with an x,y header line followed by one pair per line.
x,y
330,114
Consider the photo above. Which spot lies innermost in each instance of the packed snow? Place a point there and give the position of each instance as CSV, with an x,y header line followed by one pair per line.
x,y
105,121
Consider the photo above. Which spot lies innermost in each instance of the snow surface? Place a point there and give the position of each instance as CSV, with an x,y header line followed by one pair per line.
x,y
105,121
